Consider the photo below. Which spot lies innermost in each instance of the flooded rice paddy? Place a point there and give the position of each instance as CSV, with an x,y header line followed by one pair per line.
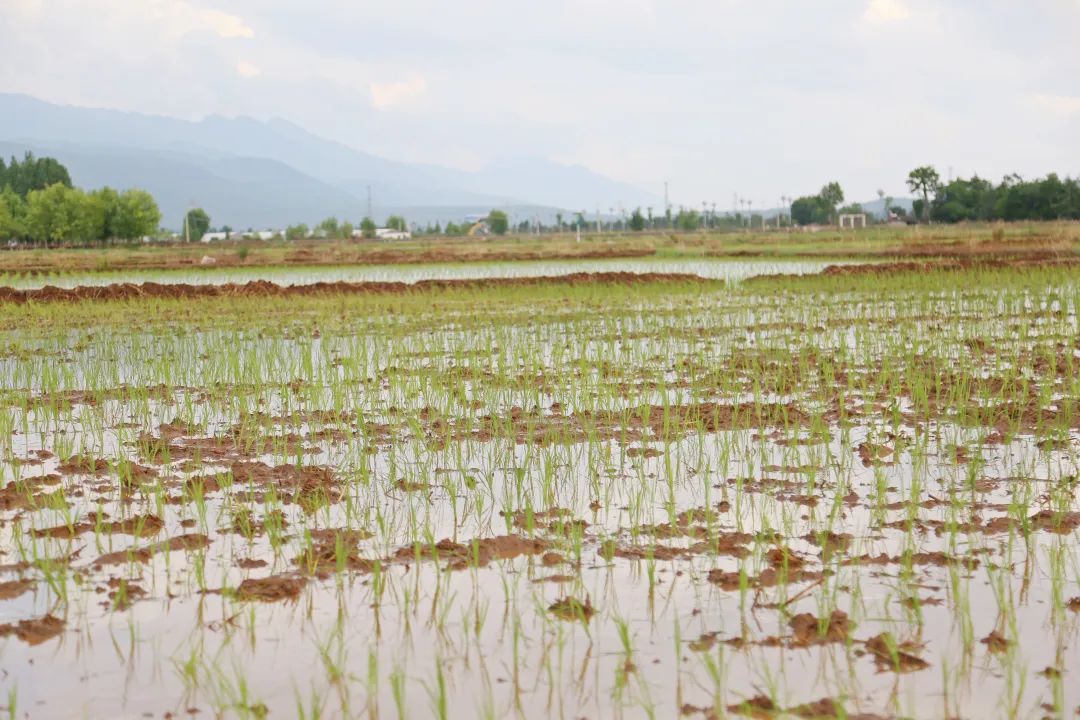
x,y
847,497
718,269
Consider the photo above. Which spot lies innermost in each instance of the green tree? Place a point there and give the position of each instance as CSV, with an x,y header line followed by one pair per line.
x,y
832,195
396,222
924,180
918,208
346,229
637,220
802,210
35,174
137,216
9,228
109,200
328,228
12,212
129,215
687,220
196,224
89,215
296,232
50,171
498,222
368,227
59,213
46,216
811,210
962,200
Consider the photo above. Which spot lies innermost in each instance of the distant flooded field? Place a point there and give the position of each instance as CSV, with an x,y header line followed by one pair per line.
x,y
720,269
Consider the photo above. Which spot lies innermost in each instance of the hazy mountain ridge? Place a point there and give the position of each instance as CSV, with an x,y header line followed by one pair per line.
x,y
247,172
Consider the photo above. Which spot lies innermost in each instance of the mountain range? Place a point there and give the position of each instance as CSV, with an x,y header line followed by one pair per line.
x,y
253,173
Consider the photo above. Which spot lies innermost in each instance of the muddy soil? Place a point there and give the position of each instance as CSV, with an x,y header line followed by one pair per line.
x,y
263,288
1034,260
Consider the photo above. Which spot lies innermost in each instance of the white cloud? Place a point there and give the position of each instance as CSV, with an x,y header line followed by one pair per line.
x,y
883,12
25,8
385,95
224,24
659,92
246,69
179,17
1066,105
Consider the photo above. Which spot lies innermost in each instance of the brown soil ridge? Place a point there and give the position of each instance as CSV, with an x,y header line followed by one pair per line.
x,y
956,249
1034,261
264,288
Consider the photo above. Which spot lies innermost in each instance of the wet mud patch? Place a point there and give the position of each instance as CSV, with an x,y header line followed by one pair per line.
x,y
271,589
265,289
36,631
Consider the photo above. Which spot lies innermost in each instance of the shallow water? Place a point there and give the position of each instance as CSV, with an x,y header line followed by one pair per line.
x,y
404,400
722,269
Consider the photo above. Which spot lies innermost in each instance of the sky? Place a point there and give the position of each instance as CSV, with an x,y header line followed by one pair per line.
x,y
755,98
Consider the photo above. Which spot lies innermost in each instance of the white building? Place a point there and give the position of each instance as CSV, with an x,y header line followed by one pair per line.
x,y
241,235
390,234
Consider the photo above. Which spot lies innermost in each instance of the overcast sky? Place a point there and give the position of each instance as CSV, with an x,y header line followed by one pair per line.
x,y
755,97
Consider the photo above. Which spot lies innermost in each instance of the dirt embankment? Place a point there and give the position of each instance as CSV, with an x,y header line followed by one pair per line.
x,y
924,253
263,288
896,268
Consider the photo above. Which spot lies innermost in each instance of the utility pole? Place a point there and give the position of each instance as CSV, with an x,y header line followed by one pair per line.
x,y
667,204
370,211
187,221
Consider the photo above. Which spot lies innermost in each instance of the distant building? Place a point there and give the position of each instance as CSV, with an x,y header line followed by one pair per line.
x,y
241,235
852,220
390,234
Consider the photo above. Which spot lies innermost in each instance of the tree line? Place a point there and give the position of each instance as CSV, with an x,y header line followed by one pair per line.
x,y
978,199
332,229
38,203
972,199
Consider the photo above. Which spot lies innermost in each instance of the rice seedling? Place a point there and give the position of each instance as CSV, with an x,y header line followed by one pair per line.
x,y
847,494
